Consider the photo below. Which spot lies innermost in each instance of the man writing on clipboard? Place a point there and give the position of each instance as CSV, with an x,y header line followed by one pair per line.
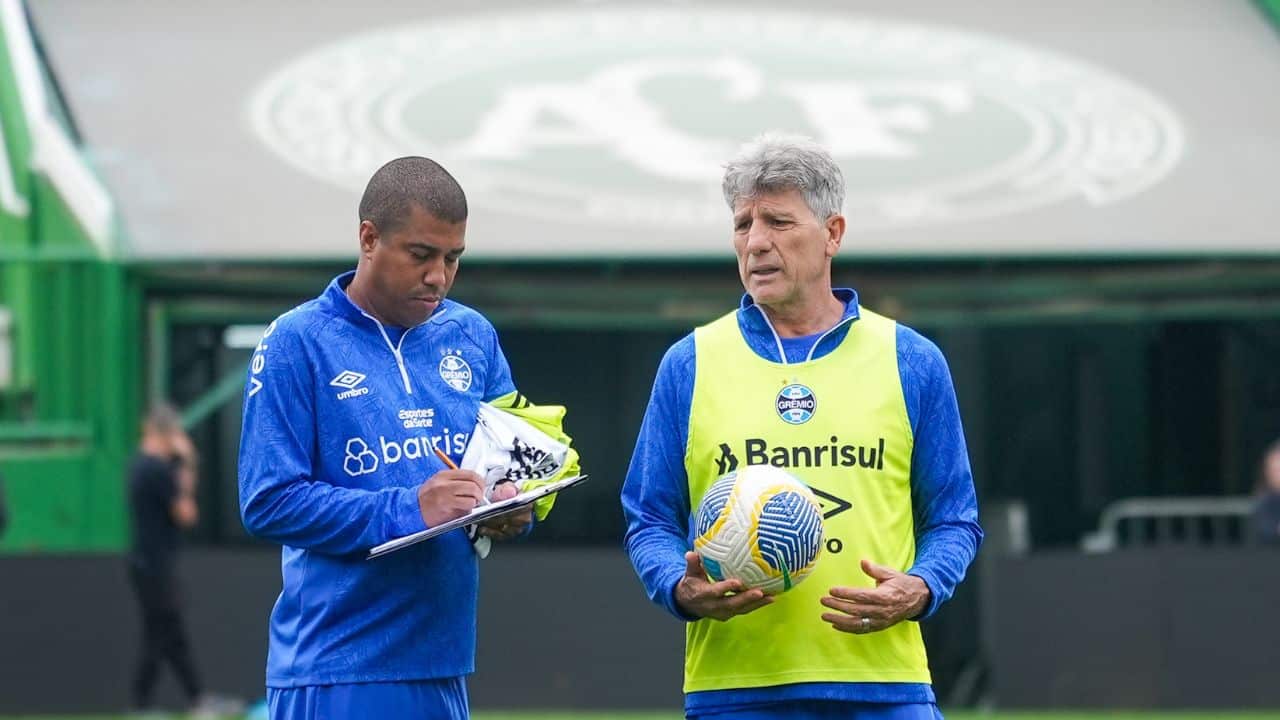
x,y
349,398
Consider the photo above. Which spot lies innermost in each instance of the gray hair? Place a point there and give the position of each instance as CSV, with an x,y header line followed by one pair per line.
x,y
775,162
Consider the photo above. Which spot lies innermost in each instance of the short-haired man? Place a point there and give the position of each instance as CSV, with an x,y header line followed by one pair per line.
x,y
162,486
844,643
1266,511
346,399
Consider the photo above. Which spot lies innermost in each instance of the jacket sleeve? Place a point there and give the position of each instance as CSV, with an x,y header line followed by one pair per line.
x,y
281,497
655,495
944,503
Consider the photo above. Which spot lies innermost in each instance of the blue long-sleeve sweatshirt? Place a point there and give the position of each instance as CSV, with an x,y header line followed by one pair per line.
x,y
655,496
340,414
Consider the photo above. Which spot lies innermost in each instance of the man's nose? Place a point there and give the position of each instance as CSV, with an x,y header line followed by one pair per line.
x,y
758,239
434,273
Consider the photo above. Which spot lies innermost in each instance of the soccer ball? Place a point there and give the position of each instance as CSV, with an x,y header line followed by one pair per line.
x,y
759,525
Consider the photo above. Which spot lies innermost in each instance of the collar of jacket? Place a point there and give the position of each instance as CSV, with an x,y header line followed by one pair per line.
x,y
759,332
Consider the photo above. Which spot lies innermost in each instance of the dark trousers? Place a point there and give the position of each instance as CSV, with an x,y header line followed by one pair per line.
x,y
164,636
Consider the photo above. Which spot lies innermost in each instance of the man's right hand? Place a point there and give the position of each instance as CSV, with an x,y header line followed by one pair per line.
x,y
697,596
449,494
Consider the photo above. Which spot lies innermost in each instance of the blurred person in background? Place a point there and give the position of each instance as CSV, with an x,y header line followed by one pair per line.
x,y
1266,513
162,486
846,643
335,458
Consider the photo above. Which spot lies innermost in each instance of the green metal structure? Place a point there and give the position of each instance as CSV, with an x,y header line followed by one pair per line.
x,y
1272,10
68,340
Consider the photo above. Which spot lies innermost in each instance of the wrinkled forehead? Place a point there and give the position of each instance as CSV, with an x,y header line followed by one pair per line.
x,y
781,200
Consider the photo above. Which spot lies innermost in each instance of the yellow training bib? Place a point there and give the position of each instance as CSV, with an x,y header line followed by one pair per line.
x,y
839,424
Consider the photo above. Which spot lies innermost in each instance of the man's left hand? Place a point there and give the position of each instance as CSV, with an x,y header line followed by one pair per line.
x,y
896,597
507,525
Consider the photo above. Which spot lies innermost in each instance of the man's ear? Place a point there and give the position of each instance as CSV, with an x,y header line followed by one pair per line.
x,y
368,236
835,234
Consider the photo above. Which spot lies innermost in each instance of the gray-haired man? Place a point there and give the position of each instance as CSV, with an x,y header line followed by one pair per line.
x,y
902,526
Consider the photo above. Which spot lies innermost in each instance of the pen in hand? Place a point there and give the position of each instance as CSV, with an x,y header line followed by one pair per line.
x,y
449,463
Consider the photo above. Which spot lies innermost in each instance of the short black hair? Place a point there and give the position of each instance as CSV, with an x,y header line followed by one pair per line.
x,y
404,182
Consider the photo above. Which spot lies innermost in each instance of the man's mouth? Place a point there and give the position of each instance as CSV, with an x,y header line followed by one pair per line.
x,y
765,271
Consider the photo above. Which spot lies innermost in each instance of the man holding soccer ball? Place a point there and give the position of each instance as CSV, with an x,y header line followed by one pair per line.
x,y
861,409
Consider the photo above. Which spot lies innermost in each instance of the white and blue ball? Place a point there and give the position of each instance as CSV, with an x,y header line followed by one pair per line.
x,y
759,525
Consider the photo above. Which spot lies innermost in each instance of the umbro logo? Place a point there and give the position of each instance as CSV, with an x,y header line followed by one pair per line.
x,y
347,379
350,381
831,505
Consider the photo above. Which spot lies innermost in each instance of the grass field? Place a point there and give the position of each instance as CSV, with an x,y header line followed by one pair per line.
x,y
952,715
955,715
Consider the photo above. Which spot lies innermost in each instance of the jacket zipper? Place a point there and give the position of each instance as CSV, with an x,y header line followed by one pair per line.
x,y
395,349
782,354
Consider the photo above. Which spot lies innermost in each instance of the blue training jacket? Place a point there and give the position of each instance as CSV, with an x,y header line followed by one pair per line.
x,y
655,496
339,417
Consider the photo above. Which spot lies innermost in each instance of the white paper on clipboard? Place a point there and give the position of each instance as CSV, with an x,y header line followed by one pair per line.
x,y
480,514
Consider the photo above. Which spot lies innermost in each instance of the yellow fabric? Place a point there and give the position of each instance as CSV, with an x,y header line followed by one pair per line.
x,y
550,420
855,448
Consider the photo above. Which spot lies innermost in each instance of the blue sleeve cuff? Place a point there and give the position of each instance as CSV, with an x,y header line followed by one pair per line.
x,y
935,597
406,518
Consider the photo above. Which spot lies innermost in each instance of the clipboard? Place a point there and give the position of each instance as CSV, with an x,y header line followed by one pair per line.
x,y
479,514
